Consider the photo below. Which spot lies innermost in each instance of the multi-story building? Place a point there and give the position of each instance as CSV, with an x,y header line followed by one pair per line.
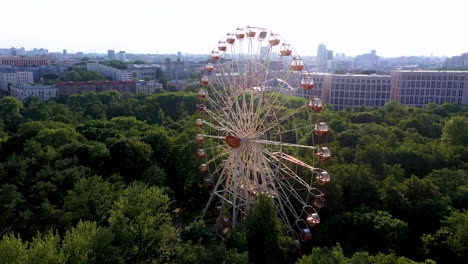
x,y
14,77
24,61
115,74
349,90
322,58
111,54
176,70
321,83
96,86
121,56
148,87
457,61
22,91
358,89
418,88
367,61
146,71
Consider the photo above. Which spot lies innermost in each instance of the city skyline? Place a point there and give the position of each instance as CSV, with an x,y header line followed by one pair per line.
x,y
393,29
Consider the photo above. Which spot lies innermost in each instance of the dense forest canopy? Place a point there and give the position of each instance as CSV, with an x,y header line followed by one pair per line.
x,y
96,178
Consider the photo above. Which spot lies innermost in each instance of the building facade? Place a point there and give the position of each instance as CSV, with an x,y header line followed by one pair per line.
x,y
418,88
15,77
146,71
322,58
24,61
457,61
22,91
148,87
96,86
357,90
111,54
115,74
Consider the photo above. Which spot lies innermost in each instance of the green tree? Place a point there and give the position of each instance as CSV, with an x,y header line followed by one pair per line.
x,y
13,250
141,224
78,243
264,233
10,108
455,131
325,256
91,200
45,248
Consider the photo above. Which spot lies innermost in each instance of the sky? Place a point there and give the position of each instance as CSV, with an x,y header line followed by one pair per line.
x,y
392,27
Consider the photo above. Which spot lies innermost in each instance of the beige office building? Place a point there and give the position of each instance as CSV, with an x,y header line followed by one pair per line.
x,y
418,88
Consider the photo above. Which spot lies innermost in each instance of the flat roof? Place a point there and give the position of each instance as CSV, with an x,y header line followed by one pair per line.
x,y
95,82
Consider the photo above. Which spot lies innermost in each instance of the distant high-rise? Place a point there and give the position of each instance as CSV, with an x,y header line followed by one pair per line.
x,y
111,54
322,58
121,56
64,52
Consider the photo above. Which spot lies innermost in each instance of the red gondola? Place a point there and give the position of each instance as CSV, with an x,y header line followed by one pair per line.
x,y
321,129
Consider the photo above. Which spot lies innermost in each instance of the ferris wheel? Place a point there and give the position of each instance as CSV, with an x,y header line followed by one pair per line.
x,y
252,132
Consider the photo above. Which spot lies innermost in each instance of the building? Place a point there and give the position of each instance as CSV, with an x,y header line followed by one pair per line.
x,y
22,91
96,86
148,87
457,61
146,71
115,74
351,90
24,61
121,56
321,80
111,54
15,77
176,70
322,58
418,88
367,61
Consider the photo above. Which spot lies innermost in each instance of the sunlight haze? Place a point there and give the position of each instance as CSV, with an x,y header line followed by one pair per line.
x,y
393,28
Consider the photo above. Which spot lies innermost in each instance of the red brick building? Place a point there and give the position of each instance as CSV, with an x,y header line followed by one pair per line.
x,y
96,86
24,61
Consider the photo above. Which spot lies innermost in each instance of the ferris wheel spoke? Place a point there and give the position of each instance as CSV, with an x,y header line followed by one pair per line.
x,y
278,122
277,143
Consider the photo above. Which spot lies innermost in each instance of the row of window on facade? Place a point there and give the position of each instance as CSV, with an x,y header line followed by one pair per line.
x,y
432,92
361,81
359,95
361,87
433,84
434,78
426,100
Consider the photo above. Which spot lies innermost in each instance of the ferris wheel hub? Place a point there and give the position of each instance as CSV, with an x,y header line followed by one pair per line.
x,y
233,141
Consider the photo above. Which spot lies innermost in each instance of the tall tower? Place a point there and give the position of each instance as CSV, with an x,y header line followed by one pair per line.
x,y
111,54
322,58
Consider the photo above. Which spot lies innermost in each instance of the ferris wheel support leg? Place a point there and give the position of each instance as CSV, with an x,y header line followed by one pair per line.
x,y
234,201
213,193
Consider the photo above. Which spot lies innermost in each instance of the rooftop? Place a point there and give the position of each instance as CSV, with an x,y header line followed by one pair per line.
x,y
25,86
95,82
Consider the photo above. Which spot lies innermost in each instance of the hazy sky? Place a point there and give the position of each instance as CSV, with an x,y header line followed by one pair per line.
x,y
392,27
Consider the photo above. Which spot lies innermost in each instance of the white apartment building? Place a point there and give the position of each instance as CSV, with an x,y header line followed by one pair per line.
x,y
147,87
44,92
115,74
418,88
15,78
